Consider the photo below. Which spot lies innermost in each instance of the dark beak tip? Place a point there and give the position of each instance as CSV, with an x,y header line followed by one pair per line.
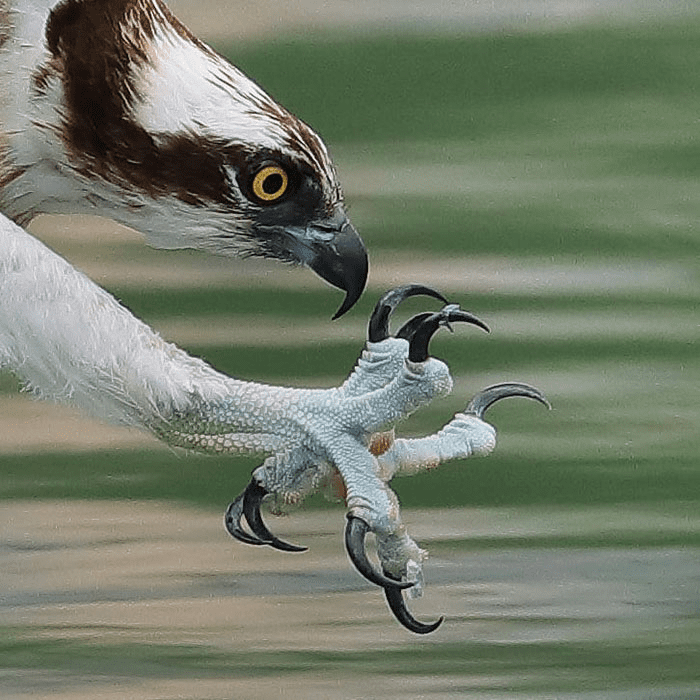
x,y
344,265
351,296
347,304
355,278
353,293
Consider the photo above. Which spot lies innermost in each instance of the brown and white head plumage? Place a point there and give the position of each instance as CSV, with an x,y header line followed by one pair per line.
x,y
126,114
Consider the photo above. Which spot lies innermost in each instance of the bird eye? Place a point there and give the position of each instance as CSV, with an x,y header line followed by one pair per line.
x,y
270,183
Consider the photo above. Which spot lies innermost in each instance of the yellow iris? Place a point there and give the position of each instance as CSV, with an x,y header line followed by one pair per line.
x,y
270,183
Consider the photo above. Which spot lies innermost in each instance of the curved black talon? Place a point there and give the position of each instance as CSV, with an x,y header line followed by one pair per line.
x,y
378,329
420,340
486,398
252,499
397,605
407,331
355,532
248,505
232,521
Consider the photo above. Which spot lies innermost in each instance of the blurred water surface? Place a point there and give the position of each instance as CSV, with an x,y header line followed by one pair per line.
x,y
548,181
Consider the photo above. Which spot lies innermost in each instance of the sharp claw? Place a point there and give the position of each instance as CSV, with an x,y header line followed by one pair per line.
x,y
355,532
379,320
409,328
426,328
252,499
397,605
486,398
232,521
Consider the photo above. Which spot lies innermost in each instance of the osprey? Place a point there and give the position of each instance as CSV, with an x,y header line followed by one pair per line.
x,y
113,107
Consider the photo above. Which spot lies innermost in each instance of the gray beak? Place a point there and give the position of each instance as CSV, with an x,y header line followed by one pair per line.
x,y
340,258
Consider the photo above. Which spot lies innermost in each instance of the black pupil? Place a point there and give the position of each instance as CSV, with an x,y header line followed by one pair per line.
x,y
272,184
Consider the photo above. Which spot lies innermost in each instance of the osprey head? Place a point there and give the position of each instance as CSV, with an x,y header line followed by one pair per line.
x,y
156,130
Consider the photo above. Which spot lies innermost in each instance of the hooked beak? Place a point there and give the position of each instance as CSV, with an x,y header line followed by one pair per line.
x,y
339,256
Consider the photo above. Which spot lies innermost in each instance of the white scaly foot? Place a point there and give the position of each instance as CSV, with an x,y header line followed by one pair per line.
x,y
393,377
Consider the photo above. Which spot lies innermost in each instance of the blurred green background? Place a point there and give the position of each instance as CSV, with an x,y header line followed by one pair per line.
x,y
568,160
570,152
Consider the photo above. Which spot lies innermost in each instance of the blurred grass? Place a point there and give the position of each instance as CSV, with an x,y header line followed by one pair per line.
x,y
536,667
412,88
569,147
579,142
498,481
564,147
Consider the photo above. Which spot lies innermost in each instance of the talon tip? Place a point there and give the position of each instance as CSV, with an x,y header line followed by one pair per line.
x,y
378,328
424,329
356,530
489,396
252,499
232,522
397,605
